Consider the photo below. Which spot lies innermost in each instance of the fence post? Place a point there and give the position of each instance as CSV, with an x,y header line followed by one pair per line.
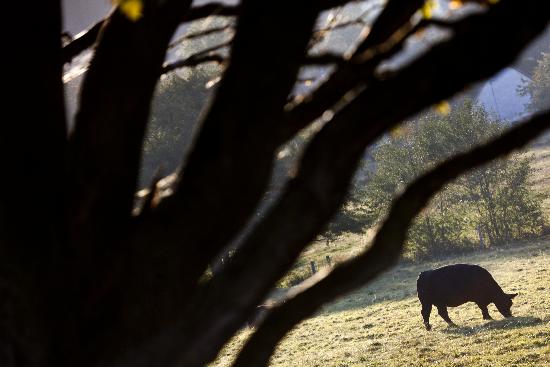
x,y
313,267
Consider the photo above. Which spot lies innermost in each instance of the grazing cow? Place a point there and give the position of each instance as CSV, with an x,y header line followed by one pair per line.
x,y
453,285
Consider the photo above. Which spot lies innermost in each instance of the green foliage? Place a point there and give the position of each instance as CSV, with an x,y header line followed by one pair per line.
x,y
350,219
539,87
176,109
488,206
178,102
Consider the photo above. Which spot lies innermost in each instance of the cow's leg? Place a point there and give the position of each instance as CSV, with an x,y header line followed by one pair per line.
x,y
484,312
442,310
426,310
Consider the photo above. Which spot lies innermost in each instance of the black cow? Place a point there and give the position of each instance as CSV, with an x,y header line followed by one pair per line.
x,y
453,285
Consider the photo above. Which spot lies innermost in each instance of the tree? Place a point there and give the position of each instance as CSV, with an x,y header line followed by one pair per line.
x,y
539,87
491,204
86,281
175,110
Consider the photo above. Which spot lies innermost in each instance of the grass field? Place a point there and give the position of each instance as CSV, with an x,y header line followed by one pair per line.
x,y
380,325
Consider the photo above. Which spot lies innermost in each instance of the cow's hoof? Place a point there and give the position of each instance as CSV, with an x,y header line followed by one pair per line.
x,y
428,327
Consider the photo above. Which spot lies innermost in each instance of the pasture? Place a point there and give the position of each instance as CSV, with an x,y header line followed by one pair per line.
x,y
381,325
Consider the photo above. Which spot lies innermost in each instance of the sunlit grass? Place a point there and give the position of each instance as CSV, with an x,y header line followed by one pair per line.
x,y
380,325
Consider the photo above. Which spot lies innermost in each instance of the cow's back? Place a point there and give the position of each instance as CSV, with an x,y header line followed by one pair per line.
x,y
454,285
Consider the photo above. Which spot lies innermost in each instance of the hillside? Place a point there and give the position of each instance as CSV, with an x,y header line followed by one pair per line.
x,y
541,179
380,325
349,244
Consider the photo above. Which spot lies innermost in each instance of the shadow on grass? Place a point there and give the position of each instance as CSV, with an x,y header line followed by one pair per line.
x,y
510,323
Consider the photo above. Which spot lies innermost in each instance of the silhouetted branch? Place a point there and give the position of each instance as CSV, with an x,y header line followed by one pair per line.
x,y
370,58
353,73
396,15
320,186
327,58
86,284
211,9
82,42
386,247
201,57
193,61
87,38
104,155
320,34
206,32
263,126
217,168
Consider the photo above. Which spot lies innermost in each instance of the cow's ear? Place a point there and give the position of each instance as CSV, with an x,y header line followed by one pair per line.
x,y
512,295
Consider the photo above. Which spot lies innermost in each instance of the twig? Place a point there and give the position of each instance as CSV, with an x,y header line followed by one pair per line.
x,y
87,38
204,56
199,34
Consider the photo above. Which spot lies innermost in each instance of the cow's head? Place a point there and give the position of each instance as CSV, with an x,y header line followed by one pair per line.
x,y
504,304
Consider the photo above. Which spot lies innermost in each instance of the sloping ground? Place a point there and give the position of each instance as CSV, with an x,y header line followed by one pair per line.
x,y
541,179
380,325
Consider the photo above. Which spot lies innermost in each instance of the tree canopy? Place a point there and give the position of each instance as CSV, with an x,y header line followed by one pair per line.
x,y
488,206
88,280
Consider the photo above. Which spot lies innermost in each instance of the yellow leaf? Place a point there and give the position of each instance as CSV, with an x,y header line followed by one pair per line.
x,y
443,108
455,4
133,9
428,8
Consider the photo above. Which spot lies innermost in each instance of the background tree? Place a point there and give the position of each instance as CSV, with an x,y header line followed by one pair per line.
x,y
88,281
176,107
492,204
539,87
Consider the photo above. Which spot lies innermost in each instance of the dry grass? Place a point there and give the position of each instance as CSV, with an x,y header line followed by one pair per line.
x,y
380,325
541,177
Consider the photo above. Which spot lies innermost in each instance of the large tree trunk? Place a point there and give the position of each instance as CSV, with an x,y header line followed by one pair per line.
x,y
85,281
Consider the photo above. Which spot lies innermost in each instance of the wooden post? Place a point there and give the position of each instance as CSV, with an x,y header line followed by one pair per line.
x,y
313,267
329,261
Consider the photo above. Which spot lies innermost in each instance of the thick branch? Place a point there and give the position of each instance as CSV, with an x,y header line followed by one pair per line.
x,y
89,37
396,15
387,245
193,61
234,141
105,149
222,177
206,32
210,9
328,164
327,58
201,57
82,42
33,144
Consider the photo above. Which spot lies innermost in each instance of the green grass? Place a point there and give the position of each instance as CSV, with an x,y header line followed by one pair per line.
x,y
380,325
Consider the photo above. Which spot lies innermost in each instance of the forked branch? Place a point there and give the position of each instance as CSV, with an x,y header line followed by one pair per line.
x,y
88,38
387,245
